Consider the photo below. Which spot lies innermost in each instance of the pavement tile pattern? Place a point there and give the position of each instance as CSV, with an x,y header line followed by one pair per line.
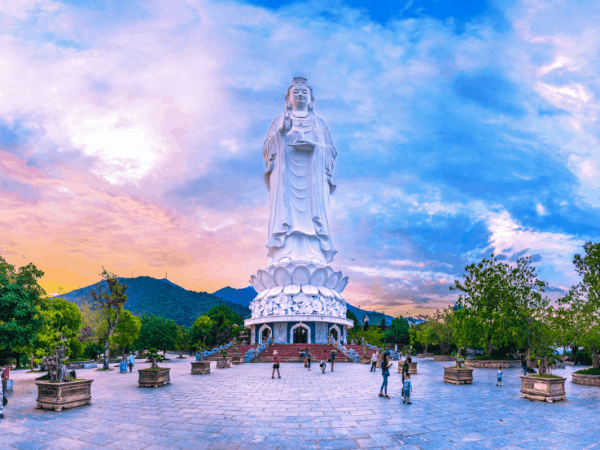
x,y
243,408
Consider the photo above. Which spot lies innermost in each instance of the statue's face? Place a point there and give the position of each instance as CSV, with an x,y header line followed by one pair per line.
x,y
299,97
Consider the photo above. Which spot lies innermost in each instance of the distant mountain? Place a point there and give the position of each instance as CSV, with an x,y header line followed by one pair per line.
x,y
150,295
246,295
240,296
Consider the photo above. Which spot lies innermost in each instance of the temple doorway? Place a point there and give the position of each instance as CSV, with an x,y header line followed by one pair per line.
x,y
300,336
333,333
266,334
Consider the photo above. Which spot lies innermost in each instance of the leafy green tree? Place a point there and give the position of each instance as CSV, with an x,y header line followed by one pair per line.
x,y
497,303
157,332
111,303
398,332
20,316
62,321
200,330
584,300
350,315
223,316
126,331
183,340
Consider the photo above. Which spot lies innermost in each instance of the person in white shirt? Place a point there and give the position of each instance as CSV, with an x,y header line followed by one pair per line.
x,y
374,357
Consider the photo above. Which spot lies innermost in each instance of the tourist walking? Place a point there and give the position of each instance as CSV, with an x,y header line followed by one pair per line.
x,y
524,365
308,358
3,402
332,357
385,371
275,365
406,390
323,364
131,362
499,382
374,357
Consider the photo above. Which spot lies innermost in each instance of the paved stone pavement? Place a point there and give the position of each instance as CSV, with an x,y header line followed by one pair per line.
x,y
243,408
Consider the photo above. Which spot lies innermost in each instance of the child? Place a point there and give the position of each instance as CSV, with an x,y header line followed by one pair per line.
x,y
275,365
407,389
499,382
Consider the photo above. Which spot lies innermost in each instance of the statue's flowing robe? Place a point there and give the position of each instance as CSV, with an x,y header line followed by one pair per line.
x,y
281,219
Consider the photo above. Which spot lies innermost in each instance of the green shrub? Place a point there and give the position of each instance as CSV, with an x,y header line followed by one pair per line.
x,y
590,371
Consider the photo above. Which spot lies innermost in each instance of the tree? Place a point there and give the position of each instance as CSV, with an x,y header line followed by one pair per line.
x,y
497,303
157,332
126,331
20,317
398,332
584,300
62,323
200,330
183,340
112,303
350,315
223,316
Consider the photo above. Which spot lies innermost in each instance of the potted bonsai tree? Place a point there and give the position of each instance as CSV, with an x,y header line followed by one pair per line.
x,y
237,359
60,389
154,376
458,374
224,363
200,367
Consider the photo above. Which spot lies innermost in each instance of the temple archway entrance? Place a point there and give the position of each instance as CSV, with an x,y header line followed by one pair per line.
x,y
300,336
333,333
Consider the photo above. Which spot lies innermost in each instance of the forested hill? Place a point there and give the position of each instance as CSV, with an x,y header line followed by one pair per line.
x,y
150,295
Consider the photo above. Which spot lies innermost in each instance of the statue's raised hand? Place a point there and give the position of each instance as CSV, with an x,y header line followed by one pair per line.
x,y
286,126
303,145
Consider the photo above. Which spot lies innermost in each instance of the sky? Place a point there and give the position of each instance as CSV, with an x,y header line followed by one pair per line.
x,y
131,137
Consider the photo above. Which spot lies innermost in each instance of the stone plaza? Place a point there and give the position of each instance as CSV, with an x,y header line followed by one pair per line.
x,y
243,408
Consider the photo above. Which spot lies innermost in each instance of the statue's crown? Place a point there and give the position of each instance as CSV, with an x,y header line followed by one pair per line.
x,y
299,81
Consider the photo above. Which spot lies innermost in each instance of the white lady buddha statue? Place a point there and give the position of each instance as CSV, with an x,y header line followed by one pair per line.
x,y
299,154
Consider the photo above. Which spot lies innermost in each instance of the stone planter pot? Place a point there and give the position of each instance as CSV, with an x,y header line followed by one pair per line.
x,y
223,363
66,395
586,380
506,364
364,360
412,367
458,375
443,358
200,367
425,355
237,360
154,378
543,389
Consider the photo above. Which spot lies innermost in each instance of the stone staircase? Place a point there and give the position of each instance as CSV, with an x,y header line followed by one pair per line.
x,y
290,353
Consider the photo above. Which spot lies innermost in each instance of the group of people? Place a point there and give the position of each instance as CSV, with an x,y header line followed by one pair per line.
x,y
129,362
385,372
307,361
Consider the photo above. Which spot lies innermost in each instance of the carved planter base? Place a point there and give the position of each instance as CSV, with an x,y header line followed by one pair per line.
x,y
443,358
425,355
543,389
489,364
200,367
223,364
59,396
458,375
364,360
237,360
586,380
154,378
412,367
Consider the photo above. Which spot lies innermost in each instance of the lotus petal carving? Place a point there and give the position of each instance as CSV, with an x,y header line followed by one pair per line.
x,y
325,291
319,277
292,289
258,286
282,277
301,275
266,279
333,280
275,291
329,270
342,285
310,290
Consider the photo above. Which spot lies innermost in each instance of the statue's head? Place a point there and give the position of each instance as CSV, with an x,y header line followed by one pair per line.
x,y
299,93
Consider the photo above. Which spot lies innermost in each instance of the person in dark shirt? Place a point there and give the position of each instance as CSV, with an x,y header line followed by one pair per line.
x,y
275,365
